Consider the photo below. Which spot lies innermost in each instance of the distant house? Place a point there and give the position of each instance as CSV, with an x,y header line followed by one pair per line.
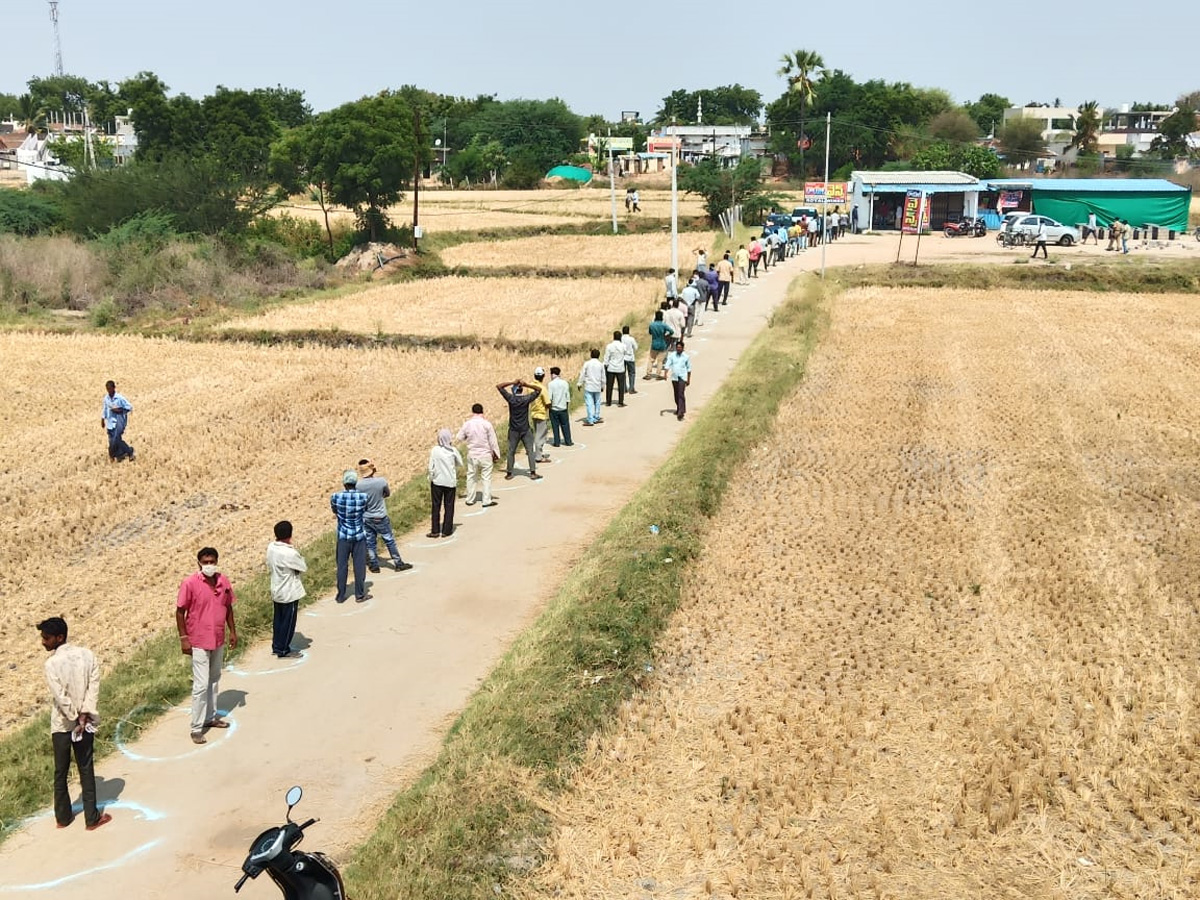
x,y
727,143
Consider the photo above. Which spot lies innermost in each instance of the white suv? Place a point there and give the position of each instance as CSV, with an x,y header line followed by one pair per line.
x,y
1056,232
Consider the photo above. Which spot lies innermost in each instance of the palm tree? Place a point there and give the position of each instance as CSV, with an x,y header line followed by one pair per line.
x,y
1087,127
798,68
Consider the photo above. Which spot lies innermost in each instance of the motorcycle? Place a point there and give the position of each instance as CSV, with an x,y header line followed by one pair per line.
x,y
1198,234
965,226
299,875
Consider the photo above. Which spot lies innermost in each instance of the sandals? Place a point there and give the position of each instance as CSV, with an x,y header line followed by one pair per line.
x,y
216,723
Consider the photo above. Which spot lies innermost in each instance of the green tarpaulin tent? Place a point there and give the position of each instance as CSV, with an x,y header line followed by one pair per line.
x,y
1138,201
571,173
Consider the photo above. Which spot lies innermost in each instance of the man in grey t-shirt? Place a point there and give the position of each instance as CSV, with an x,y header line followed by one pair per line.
x,y
375,518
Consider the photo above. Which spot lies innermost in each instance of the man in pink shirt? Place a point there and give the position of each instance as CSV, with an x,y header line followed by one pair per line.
x,y
202,612
482,452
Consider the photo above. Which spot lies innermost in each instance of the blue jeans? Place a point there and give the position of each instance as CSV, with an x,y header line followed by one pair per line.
x,y
376,529
356,550
591,401
117,448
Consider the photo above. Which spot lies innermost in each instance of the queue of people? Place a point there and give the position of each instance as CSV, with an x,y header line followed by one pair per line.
x,y
538,417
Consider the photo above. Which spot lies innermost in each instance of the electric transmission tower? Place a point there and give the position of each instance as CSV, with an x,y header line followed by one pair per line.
x,y
58,66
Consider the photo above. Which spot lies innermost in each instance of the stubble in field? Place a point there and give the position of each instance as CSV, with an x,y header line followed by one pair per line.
x,y
229,440
561,310
570,251
942,638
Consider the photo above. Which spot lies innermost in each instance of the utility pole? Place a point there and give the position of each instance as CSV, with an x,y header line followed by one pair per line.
x,y
825,208
58,65
416,175
674,200
612,184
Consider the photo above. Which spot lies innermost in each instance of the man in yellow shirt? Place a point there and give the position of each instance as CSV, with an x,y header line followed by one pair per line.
x,y
742,261
539,417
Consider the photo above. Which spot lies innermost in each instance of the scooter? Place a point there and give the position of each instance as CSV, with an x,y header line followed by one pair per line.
x,y
299,875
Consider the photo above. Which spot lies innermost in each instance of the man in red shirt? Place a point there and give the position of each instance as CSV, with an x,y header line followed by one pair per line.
x,y
202,612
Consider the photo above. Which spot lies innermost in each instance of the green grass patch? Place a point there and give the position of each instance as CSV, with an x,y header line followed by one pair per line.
x,y
1127,275
155,678
473,821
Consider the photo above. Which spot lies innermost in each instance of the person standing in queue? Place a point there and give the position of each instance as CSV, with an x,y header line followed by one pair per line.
x,y
73,676
203,614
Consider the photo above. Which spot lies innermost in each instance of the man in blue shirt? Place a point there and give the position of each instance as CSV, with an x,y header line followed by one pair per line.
x,y
350,506
114,416
679,370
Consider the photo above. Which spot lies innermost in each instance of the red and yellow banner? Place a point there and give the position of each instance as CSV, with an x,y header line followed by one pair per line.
x,y
916,210
817,192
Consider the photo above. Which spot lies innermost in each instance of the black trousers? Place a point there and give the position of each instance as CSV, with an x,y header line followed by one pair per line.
x,y
441,509
63,748
611,378
283,627
679,389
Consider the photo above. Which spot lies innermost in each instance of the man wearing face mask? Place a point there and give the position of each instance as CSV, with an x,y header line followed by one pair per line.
x,y
203,610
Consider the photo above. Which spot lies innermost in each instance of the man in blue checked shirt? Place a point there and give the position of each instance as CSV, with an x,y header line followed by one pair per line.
x,y
350,505
114,416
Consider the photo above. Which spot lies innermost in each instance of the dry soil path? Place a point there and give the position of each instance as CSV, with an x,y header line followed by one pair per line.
x,y
366,705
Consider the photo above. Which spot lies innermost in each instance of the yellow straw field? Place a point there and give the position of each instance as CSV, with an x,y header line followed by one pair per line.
x,y
942,639
443,210
573,251
561,310
229,440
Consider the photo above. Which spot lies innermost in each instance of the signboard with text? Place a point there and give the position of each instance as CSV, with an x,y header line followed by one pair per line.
x,y
817,192
916,213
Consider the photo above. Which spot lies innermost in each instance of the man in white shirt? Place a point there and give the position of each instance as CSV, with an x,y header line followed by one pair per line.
x,y
614,370
286,565
631,348
483,452
591,379
672,284
676,317
560,407
690,298
73,676
1041,240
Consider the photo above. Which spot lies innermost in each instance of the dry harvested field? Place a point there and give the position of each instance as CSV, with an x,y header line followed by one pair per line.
x,y
941,641
560,310
230,439
568,251
486,209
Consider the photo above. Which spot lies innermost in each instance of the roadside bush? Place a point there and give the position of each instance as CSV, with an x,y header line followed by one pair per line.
x,y
52,272
200,196
304,237
27,213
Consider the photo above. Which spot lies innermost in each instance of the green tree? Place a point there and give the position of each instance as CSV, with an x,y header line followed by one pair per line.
x,y
72,152
798,68
728,104
988,111
286,106
1087,127
362,154
719,185
955,126
60,93
237,128
1021,140
10,106
969,158
1173,132
543,133
1190,101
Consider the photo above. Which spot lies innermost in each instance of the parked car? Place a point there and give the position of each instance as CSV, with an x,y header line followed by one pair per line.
x,y
805,212
775,219
1056,232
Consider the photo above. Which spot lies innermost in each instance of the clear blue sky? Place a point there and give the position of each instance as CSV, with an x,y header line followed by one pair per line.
x,y
604,62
